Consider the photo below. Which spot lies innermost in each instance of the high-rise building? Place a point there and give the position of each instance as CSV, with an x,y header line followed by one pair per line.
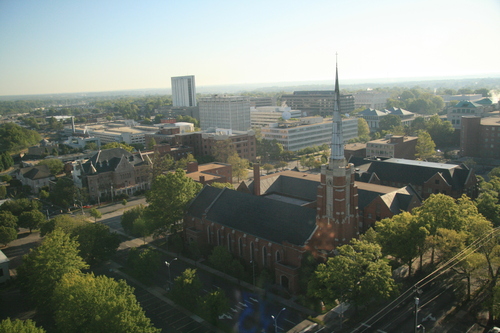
x,y
183,91
227,112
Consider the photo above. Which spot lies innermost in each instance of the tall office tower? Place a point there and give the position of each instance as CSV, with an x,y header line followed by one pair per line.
x,y
183,91
228,112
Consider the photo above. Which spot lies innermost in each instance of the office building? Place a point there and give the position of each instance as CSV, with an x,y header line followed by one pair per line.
x,y
222,111
319,102
183,91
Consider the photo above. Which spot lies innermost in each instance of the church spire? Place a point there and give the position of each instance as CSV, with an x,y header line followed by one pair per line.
x,y
337,152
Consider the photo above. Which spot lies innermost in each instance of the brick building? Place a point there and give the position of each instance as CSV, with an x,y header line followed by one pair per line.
x,y
480,137
425,177
393,146
210,172
115,171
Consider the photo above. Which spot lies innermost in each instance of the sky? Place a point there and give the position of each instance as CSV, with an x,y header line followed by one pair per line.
x,y
61,46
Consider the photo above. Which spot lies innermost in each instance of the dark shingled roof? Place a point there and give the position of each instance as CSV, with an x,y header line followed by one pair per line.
x,y
415,172
36,172
269,220
108,159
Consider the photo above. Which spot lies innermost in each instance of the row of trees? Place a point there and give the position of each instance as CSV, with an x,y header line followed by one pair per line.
x,y
442,227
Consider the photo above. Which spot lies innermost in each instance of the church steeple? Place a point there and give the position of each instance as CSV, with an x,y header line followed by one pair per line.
x,y
337,146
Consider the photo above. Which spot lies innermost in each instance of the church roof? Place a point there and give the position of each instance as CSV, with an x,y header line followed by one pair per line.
x,y
267,219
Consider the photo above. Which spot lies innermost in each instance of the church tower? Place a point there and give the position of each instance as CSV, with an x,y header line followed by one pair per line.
x,y
337,202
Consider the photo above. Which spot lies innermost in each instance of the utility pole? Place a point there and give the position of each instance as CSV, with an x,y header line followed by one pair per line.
x,y
417,300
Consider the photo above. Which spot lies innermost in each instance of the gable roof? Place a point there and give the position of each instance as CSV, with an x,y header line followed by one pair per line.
x,y
416,172
373,112
267,219
467,104
108,159
36,172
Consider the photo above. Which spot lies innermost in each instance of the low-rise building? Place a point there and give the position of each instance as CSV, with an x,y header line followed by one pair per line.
x,y
393,146
371,99
464,108
318,102
267,115
307,132
35,177
210,173
115,171
4,267
425,177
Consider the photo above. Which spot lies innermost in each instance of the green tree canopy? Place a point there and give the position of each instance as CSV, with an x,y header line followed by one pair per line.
x,y
358,274
31,219
55,165
44,267
17,207
96,242
14,138
186,289
117,145
95,213
223,150
239,166
86,303
168,198
425,146
363,129
19,326
389,122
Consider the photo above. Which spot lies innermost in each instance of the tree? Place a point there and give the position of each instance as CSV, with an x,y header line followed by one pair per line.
x,y
267,167
161,164
363,130
151,144
425,146
96,242
44,267
487,205
358,274
86,303
220,259
183,162
129,217
239,166
14,138
224,149
90,146
389,122
144,263
168,198
213,305
280,165
124,202
64,192
55,165
7,219
95,213
483,91
31,219
19,326
186,289
17,207
222,185
7,234
66,223
402,237
440,131
122,145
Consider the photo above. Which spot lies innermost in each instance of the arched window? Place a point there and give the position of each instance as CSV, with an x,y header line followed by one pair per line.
x,y
264,256
284,281
219,239
252,252
240,246
229,247
209,235
278,256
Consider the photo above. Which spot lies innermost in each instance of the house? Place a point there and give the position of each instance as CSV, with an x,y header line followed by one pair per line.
x,y
210,172
35,177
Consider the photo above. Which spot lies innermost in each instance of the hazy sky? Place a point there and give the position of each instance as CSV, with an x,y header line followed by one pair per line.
x,y
76,46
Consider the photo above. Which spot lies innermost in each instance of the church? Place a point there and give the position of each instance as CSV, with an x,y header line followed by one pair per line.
x,y
271,221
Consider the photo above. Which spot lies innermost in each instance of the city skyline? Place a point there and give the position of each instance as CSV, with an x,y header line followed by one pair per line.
x,y
69,46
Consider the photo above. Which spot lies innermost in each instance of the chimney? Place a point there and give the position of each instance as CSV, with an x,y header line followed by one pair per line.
x,y
256,179
192,167
202,180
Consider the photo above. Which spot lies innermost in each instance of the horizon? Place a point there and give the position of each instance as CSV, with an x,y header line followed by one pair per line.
x,y
71,47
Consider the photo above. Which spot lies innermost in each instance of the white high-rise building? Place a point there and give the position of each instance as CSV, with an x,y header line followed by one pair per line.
x,y
228,112
183,91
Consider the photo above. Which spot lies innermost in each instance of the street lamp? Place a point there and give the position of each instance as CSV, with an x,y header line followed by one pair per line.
x,y
422,327
169,274
253,271
276,320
